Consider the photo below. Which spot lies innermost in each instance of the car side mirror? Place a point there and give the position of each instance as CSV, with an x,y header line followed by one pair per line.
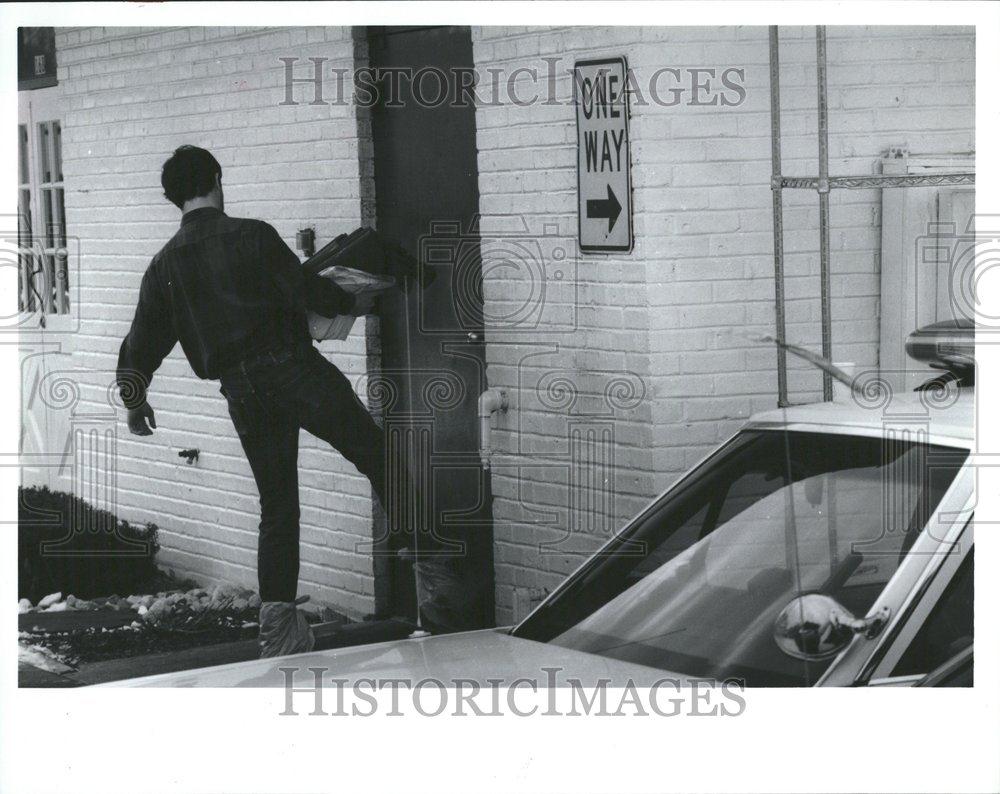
x,y
814,627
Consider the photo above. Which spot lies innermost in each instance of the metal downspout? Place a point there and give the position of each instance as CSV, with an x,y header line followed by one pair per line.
x,y
823,188
776,203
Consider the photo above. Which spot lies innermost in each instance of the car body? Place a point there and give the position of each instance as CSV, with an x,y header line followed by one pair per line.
x,y
905,583
822,545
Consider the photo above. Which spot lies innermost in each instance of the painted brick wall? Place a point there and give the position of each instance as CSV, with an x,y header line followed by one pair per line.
x,y
131,97
677,311
622,372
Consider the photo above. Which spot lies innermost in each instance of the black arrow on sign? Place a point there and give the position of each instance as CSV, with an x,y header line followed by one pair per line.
x,y
609,208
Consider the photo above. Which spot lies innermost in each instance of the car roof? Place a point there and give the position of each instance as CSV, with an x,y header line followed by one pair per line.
x,y
946,417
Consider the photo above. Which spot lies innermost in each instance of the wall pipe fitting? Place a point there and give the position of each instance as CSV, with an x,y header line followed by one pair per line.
x,y
490,402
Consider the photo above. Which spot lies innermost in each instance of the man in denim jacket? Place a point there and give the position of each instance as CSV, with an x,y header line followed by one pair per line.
x,y
235,296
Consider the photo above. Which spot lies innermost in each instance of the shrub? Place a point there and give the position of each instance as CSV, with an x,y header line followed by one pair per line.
x,y
66,544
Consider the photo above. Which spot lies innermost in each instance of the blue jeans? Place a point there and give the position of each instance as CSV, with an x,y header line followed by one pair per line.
x,y
271,395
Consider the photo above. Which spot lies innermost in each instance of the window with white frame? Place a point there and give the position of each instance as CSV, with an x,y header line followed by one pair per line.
x,y
43,259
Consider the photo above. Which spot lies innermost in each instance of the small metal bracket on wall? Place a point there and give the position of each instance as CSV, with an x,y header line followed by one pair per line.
x,y
822,184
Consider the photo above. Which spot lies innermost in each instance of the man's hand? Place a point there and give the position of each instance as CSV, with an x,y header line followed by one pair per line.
x,y
137,420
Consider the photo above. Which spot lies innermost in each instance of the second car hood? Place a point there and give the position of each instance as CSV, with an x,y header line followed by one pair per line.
x,y
481,656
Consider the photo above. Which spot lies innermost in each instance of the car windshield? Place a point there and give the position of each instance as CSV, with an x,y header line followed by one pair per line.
x,y
695,583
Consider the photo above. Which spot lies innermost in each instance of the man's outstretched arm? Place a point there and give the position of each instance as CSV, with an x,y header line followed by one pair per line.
x,y
148,342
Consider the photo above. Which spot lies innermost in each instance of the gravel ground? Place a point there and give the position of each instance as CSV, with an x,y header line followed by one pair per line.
x,y
166,621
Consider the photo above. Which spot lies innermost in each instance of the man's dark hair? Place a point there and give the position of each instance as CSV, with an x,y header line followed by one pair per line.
x,y
189,173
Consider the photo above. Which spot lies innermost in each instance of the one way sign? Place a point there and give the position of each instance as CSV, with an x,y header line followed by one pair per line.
x,y
603,165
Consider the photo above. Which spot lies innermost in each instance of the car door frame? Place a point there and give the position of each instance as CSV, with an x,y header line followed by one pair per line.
x,y
882,666
911,592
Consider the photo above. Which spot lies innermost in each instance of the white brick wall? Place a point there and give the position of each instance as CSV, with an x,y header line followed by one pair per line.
x,y
638,365
678,309
131,97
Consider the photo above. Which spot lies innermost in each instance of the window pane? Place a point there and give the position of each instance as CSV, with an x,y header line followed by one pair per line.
x,y
22,153
62,282
48,284
948,628
43,152
25,297
48,218
24,216
61,207
57,150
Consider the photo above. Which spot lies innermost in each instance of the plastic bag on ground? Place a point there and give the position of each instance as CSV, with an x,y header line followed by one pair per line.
x,y
283,629
445,600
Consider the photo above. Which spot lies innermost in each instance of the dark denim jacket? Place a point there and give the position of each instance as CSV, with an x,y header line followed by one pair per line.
x,y
224,288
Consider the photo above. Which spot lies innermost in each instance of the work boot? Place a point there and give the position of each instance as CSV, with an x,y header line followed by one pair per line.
x,y
283,629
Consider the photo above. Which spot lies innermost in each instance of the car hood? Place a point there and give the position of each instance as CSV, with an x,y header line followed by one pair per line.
x,y
490,656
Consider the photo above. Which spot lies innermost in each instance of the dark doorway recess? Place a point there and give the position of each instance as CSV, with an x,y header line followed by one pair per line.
x,y
433,355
